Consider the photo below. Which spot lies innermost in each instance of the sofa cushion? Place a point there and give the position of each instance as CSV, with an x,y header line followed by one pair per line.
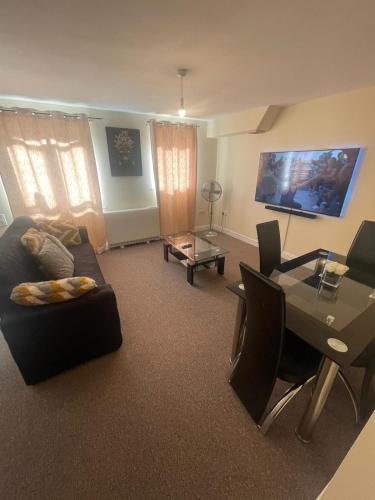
x,y
47,292
67,232
54,262
85,263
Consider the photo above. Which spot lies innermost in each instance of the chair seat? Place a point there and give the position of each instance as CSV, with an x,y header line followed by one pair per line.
x,y
299,361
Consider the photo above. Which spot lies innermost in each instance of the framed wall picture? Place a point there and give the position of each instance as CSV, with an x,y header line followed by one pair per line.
x,y
124,148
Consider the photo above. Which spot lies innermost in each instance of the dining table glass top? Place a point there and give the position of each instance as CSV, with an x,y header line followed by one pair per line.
x,y
338,321
338,307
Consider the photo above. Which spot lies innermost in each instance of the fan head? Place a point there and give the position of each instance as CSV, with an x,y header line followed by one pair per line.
x,y
211,191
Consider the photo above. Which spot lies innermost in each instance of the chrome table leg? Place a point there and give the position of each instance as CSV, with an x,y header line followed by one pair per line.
x,y
238,329
323,386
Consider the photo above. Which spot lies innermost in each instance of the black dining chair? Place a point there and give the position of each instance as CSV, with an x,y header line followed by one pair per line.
x,y
361,255
367,399
269,351
269,246
361,261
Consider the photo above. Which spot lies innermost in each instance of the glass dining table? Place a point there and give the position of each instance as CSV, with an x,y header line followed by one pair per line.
x,y
338,321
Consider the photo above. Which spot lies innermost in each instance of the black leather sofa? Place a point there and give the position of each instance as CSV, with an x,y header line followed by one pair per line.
x,y
46,340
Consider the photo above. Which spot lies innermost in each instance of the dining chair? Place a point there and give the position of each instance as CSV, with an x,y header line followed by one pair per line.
x,y
361,261
367,398
269,246
361,255
269,351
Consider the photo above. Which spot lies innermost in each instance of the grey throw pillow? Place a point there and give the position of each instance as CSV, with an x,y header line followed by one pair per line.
x,y
59,244
54,261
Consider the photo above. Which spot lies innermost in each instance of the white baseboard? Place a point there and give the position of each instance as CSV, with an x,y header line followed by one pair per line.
x,y
124,244
247,239
238,236
201,228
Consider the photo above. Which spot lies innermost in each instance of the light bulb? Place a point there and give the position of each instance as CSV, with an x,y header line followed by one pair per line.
x,y
182,112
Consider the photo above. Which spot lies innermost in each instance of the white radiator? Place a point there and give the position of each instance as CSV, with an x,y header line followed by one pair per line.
x,y
125,227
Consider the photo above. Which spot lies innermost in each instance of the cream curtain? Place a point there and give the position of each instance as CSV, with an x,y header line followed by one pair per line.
x,y
48,169
174,149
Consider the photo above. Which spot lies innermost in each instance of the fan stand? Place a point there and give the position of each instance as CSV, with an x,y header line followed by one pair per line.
x,y
211,233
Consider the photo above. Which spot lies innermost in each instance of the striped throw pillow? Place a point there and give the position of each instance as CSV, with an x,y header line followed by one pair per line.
x,y
48,292
65,231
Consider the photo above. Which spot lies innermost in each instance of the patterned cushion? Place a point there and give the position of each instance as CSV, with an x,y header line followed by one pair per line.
x,y
67,232
47,292
33,240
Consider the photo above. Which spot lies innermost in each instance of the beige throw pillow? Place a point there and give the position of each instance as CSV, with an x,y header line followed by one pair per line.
x,y
33,240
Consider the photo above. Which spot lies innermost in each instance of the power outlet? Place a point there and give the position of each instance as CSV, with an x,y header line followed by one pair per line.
x,y
3,220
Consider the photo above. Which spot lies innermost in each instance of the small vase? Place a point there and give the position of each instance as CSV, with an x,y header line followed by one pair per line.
x,y
331,280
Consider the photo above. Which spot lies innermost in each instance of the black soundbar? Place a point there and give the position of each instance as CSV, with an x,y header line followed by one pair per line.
x,y
284,210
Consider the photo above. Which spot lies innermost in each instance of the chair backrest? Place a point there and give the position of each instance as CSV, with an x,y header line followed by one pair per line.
x,y
361,254
269,246
254,375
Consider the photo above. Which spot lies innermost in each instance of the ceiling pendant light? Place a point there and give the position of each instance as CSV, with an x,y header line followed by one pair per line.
x,y
180,74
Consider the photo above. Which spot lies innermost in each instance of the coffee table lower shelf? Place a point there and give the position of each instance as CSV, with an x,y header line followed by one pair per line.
x,y
217,261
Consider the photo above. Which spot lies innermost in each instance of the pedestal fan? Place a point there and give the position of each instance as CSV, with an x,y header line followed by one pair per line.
x,y
211,191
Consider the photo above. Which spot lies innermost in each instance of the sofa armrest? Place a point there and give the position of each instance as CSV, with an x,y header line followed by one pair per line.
x,y
28,316
45,340
84,234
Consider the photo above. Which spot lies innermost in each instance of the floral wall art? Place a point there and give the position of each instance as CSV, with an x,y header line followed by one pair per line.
x,y
124,147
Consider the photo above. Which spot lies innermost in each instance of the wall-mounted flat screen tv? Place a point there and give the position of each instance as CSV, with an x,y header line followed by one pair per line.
x,y
312,181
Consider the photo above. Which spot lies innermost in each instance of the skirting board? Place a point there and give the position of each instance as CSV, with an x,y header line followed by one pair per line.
x,y
247,239
133,242
201,228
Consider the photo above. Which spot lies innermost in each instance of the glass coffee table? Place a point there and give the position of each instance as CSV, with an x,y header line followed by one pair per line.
x,y
195,252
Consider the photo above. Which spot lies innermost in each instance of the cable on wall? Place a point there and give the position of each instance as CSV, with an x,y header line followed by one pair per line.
x,y
286,231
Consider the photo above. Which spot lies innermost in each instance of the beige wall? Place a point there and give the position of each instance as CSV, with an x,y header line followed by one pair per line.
x,y
355,478
119,193
338,121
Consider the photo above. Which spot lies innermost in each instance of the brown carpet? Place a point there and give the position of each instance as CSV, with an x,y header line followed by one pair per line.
x,y
158,419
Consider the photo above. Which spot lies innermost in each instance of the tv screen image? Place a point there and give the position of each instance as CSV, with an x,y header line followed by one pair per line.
x,y
313,181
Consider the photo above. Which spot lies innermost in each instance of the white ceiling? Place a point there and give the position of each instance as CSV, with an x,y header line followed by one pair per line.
x,y
121,54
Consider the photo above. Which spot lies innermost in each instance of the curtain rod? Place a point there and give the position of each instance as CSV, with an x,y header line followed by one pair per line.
x,y
149,122
36,112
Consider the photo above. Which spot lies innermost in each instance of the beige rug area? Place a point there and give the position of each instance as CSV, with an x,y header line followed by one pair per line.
x,y
158,419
